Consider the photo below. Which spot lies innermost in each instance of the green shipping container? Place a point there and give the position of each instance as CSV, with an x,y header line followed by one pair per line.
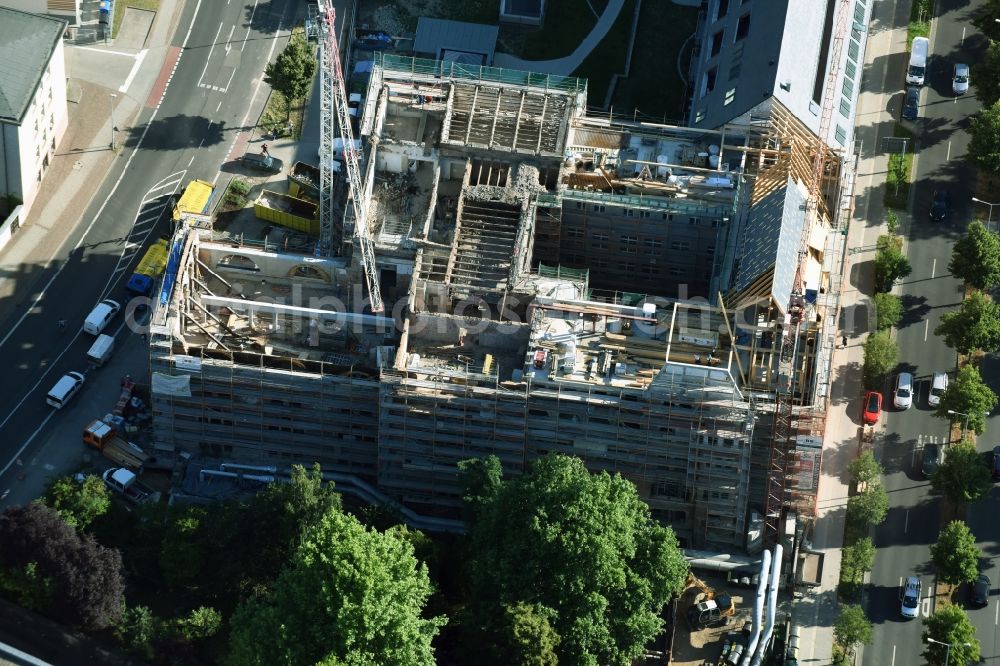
x,y
281,209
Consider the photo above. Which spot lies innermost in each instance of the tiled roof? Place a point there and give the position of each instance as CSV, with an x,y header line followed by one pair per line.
x,y
26,45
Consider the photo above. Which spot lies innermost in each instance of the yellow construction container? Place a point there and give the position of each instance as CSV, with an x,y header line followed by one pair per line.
x,y
196,199
297,214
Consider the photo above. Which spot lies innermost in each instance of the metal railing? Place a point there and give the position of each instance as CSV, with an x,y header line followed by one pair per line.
x,y
453,70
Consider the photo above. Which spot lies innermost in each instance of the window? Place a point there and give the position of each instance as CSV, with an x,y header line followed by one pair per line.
x,y
598,208
734,69
853,50
628,266
653,243
859,13
694,220
599,263
574,232
644,214
852,69
675,271
723,9
710,79
856,34
730,96
717,42
630,240
699,115
628,212
743,27
840,135
710,250
680,245
650,270
579,204
845,108
848,88
599,236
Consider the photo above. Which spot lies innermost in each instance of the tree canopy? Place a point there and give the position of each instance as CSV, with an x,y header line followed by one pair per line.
x,y
974,325
865,469
870,506
975,258
984,141
950,625
582,544
986,75
852,628
881,355
967,394
955,554
890,263
46,562
962,478
292,71
78,502
888,311
349,595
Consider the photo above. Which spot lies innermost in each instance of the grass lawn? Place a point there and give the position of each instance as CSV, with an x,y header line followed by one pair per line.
x,y
608,58
120,5
654,87
920,23
567,22
897,180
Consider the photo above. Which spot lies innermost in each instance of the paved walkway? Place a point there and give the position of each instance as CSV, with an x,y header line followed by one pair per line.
x,y
817,610
567,65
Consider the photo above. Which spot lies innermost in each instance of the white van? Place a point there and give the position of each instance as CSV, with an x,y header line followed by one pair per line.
x,y
101,350
918,61
64,389
99,317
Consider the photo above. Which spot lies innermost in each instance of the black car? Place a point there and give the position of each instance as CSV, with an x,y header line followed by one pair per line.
x,y
995,463
981,590
940,205
910,103
933,456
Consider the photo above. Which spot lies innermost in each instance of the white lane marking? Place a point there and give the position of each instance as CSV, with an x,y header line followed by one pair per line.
x,y
91,48
925,604
229,40
208,58
963,37
927,327
219,106
191,161
948,155
191,27
135,70
996,615
906,521
933,268
250,25
893,656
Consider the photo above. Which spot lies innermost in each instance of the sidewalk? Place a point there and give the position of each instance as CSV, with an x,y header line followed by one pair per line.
x,y
567,65
817,610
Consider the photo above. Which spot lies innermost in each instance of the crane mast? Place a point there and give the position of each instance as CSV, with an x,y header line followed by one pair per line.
x,y
333,89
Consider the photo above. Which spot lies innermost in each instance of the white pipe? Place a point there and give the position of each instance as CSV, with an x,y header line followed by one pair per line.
x,y
255,468
758,607
214,472
263,478
772,608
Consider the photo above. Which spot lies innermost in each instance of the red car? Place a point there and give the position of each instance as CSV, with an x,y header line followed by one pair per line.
x,y
872,407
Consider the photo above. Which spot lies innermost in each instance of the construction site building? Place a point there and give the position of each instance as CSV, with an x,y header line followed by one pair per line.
x,y
493,200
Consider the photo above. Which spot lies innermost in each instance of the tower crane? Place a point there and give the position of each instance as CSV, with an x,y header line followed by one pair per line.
x,y
333,89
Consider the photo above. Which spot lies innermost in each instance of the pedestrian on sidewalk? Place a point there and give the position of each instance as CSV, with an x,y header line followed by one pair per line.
x,y
844,342
263,150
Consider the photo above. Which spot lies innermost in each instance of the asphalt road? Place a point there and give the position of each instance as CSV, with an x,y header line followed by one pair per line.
x,y
903,541
225,48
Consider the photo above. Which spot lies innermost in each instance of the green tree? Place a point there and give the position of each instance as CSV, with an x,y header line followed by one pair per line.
x,y
888,311
870,506
852,628
967,394
526,638
349,595
975,258
890,263
955,554
292,71
79,503
859,557
865,469
881,355
582,544
199,624
974,325
984,141
952,626
986,76
962,478
181,550
138,629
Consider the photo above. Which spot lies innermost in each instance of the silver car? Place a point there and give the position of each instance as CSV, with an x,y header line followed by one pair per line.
x,y
939,384
960,80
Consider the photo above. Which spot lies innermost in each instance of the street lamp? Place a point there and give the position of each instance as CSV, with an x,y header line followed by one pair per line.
x,y
989,217
965,420
947,648
113,97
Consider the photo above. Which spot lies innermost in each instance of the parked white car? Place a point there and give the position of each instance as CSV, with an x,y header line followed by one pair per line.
x,y
939,384
902,396
910,606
